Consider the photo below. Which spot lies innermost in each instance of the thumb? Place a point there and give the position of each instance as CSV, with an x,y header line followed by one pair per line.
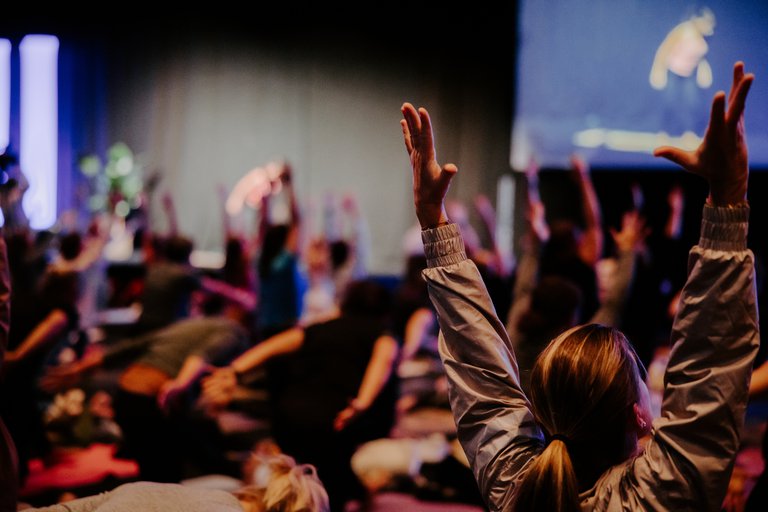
x,y
682,158
448,172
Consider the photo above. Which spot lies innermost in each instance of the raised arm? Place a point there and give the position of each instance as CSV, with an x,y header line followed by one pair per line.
x,y
496,427
226,219
629,242
487,214
170,212
715,332
294,232
358,237
591,246
528,267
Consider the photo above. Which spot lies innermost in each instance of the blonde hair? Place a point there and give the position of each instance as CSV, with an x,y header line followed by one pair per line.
x,y
583,388
275,483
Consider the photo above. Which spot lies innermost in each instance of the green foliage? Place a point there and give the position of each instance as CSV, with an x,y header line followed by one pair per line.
x,y
115,186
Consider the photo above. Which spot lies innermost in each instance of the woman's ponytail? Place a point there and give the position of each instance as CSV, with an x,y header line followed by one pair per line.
x,y
550,484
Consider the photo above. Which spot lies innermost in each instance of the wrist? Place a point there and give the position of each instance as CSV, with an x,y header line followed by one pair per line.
x,y
726,201
727,194
359,404
236,371
431,215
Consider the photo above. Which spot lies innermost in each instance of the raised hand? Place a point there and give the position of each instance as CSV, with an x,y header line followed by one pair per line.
x,y
537,220
633,232
430,180
722,156
579,166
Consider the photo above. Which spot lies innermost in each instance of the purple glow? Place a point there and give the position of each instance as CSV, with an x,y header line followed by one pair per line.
x,y
39,127
5,93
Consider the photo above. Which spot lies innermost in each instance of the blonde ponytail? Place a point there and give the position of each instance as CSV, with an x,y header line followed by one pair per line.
x,y
551,484
582,390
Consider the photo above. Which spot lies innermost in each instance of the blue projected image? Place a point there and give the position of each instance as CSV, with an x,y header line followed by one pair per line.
x,y
613,80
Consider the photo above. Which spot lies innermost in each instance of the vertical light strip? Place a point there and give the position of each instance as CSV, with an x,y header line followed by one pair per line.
x,y
38,155
505,212
5,93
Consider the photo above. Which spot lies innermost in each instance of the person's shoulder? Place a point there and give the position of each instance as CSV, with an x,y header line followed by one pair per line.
x,y
609,488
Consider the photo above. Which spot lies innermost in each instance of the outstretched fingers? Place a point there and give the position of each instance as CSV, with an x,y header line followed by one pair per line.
x,y
406,136
426,128
412,120
717,114
739,99
738,74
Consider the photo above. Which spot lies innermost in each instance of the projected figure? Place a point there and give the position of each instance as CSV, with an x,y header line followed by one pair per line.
x,y
682,52
681,74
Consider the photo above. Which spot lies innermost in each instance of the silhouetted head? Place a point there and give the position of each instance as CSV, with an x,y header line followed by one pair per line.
x,y
339,253
563,243
367,298
554,307
235,271
178,248
70,246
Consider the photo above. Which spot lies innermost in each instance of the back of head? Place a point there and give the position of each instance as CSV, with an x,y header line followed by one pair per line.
x,y
70,246
178,249
339,253
582,391
277,484
367,298
235,271
554,306
563,243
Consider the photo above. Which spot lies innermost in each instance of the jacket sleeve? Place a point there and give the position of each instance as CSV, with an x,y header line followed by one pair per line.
x,y
688,462
495,424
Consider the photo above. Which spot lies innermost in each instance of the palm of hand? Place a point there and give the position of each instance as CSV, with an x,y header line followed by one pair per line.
x,y
722,156
430,180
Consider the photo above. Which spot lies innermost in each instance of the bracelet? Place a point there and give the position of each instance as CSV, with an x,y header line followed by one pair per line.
x,y
741,204
439,225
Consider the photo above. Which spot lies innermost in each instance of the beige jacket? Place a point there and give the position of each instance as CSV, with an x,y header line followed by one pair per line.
x,y
687,463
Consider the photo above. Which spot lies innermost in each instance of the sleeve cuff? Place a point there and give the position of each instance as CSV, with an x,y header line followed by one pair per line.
x,y
443,246
724,228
